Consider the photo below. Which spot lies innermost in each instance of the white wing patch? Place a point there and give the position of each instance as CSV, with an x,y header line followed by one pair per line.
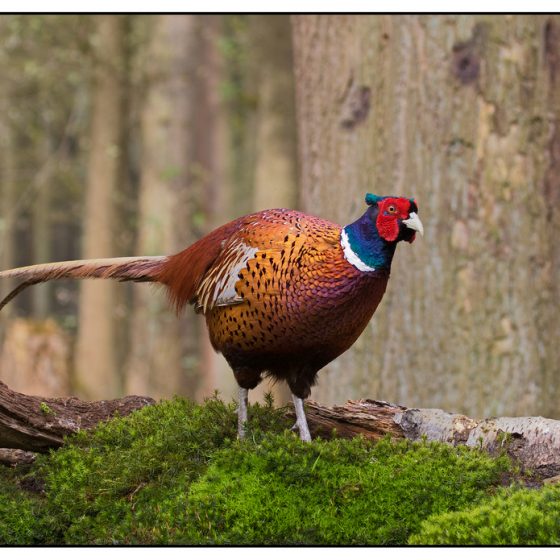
x,y
218,286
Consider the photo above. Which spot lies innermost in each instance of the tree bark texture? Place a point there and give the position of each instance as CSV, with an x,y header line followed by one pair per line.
x,y
96,371
34,423
462,113
156,365
532,441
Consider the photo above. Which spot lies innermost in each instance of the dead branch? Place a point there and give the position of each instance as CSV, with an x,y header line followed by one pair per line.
x,y
534,441
33,423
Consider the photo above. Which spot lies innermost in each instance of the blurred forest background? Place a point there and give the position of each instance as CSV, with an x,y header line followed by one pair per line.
x,y
126,135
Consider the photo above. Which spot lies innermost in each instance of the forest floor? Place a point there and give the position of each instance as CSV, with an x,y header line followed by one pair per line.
x,y
174,473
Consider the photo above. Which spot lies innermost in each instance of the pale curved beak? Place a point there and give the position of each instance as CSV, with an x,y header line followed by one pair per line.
x,y
413,222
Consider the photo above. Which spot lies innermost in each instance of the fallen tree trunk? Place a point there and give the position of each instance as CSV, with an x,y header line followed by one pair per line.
x,y
36,424
32,423
534,441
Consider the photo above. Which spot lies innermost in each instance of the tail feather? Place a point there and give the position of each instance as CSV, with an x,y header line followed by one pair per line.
x,y
123,269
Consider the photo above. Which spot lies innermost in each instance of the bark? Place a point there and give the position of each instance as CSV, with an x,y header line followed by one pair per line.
x,y
96,361
463,113
36,424
158,362
33,423
532,441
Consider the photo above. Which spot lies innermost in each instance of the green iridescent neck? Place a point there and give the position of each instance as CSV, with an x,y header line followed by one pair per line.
x,y
366,245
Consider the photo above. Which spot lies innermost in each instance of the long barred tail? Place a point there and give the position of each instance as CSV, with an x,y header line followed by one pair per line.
x,y
123,269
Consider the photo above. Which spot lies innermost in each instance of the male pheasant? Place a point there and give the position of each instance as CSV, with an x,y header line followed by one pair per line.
x,y
283,293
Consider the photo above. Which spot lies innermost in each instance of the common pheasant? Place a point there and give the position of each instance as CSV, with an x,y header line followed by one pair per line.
x,y
283,293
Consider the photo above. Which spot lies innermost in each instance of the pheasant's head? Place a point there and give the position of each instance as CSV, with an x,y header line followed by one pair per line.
x,y
397,217
369,243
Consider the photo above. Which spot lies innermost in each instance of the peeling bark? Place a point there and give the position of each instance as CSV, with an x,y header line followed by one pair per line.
x,y
533,441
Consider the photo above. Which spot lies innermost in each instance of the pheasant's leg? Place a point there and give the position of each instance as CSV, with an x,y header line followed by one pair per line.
x,y
242,412
301,421
247,378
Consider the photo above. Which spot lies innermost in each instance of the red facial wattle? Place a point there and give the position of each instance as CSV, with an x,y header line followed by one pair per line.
x,y
391,210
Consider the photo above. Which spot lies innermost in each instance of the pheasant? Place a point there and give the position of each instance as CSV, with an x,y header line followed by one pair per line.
x,y
283,293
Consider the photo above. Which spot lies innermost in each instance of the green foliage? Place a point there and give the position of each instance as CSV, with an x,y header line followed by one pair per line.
x,y
21,513
46,409
175,473
515,516
128,481
284,491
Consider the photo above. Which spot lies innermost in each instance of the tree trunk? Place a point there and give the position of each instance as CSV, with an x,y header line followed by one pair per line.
x,y
41,224
211,182
462,113
157,363
96,364
8,201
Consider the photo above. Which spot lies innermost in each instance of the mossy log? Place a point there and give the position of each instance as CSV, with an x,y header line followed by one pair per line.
x,y
36,424
32,423
533,441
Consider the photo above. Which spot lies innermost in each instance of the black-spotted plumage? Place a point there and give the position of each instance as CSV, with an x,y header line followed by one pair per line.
x,y
284,293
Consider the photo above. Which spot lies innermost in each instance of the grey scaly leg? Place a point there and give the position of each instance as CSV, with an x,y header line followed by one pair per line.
x,y
242,412
301,421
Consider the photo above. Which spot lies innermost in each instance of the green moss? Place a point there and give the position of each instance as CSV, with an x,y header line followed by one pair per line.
x,y
46,409
21,512
514,516
337,492
128,481
175,473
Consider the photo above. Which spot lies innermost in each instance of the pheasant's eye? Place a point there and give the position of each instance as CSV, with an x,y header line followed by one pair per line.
x,y
391,209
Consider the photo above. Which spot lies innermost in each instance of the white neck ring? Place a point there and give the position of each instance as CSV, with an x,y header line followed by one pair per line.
x,y
351,256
